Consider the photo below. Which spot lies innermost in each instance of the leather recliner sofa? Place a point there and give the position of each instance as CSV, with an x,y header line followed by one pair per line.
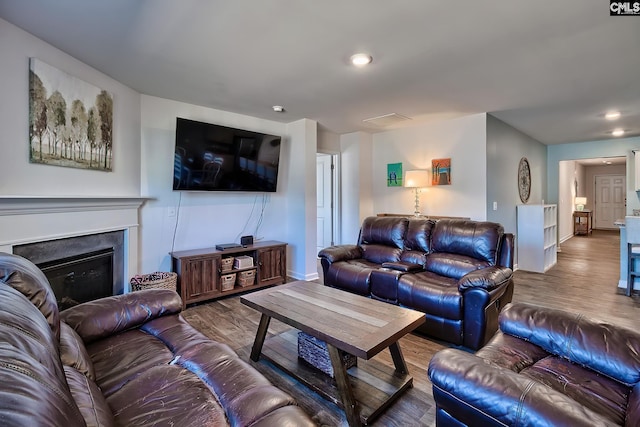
x,y
128,360
545,367
457,272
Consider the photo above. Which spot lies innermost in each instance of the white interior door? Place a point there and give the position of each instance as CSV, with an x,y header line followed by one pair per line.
x,y
610,193
324,199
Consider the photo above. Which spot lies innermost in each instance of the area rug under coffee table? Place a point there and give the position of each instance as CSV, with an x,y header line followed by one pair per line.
x,y
346,323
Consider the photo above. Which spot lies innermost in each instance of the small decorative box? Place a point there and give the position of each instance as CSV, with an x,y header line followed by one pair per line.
x,y
243,261
314,352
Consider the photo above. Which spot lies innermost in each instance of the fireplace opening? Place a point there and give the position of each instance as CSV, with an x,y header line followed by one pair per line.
x,y
80,278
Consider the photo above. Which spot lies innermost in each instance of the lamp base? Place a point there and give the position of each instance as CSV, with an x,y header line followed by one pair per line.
x,y
416,213
579,207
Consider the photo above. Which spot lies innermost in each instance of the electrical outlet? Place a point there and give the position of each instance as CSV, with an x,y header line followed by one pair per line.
x,y
495,206
171,211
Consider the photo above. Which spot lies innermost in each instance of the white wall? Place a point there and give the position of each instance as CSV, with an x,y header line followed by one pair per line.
x,y
505,147
356,184
300,214
17,175
461,139
570,172
204,219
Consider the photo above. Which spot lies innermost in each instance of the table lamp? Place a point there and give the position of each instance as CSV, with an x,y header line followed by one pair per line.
x,y
580,202
416,179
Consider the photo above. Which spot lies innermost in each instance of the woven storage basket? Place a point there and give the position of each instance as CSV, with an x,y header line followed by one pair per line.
x,y
246,278
227,281
226,264
314,352
157,280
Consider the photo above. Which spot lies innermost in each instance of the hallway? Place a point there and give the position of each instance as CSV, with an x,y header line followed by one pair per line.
x,y
584,280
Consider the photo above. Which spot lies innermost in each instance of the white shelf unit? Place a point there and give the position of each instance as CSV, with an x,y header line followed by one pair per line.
x,y
537,237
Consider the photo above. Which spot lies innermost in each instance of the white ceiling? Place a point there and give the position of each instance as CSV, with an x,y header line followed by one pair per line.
x,y
549,68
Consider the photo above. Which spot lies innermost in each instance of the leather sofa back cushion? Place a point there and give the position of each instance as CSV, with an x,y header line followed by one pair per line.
x,y
90,400
474,239
613,352
384,231
418,237
452,265
380,253
22,275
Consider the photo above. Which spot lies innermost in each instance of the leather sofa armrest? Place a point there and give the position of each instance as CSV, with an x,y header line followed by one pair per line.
x,y
489,278
103,317
478,393
405,267
341,253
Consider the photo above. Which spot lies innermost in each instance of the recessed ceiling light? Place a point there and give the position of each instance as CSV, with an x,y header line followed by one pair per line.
x,y
617,132
278,108
612,115
361,59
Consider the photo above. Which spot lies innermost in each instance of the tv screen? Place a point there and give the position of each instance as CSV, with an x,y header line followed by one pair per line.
x,y
210,157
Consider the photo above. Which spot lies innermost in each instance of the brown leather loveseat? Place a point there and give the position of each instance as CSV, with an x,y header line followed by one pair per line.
x,y
457,272
128,360
546,367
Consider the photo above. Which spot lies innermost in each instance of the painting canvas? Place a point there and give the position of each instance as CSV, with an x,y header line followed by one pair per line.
x,y
70,120
441,172
394,175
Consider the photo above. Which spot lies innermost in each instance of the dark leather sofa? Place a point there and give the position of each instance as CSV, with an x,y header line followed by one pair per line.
x,y
545,367
457,272
128,360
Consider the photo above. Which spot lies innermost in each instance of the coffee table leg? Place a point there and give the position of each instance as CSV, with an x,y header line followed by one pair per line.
x,y
351,409
260,336
398,358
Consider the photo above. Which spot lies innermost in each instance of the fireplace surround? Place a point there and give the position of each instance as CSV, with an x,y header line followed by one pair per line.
x,y
75,225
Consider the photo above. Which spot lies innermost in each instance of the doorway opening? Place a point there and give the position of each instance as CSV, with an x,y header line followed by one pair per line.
x,y
602,181
327,200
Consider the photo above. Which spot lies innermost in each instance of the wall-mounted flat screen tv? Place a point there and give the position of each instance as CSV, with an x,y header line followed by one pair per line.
x,y
211,157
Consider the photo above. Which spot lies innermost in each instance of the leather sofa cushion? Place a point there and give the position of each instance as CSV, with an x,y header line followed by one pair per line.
x,y
596,392
474,239
414,257
379,254
352,276
89,398
453,265
24,328
387,231
122,357
166,395
418,237
22,275
611,351
73,352
245,394
431,293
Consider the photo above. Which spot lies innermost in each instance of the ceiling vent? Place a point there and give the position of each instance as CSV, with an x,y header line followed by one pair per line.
x,y
386,120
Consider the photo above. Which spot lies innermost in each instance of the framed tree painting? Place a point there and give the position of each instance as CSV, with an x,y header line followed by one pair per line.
x,y
70,120
394,175
441,172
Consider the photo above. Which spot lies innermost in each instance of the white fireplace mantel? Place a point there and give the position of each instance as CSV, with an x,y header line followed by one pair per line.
x,y
30,219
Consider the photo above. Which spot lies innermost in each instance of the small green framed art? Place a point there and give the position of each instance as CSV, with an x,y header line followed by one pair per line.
x,y
394,175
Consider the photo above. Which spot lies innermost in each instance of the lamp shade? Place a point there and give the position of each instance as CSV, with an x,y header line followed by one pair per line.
x,y
581,200
416,178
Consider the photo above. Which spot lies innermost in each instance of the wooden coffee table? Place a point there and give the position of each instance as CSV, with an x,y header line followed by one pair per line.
x,y
346,322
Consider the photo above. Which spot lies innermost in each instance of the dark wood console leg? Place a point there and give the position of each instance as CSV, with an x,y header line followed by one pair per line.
x,y
260,336
398,358
351,409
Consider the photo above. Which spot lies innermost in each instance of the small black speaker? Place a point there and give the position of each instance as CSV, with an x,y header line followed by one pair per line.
x,y
246,240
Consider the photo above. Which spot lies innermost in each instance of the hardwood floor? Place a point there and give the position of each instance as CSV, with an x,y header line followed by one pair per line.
x,y
584,280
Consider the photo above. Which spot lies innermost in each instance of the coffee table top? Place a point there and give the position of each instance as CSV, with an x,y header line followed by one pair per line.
x,y
353,323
